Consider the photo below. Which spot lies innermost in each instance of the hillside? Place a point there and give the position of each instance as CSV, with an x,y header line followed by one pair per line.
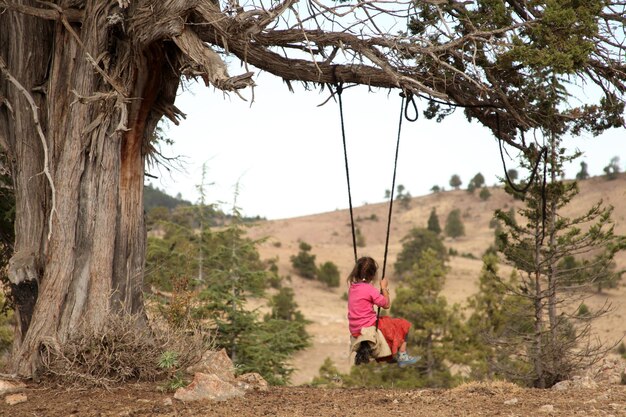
x,y
330,236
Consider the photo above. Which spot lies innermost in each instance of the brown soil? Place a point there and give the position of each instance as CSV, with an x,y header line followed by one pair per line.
x,y
495,399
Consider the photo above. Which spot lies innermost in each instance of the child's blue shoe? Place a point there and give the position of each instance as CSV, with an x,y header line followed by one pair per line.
x,y
404,359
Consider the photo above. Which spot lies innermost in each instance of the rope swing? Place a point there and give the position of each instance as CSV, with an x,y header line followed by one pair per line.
x,y
404,113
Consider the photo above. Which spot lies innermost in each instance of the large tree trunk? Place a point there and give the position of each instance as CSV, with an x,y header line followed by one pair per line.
x,y
80,236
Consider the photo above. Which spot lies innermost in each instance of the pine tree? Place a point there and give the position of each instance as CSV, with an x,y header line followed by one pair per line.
x,y
496,315
414,244
433,222
436,326
539,248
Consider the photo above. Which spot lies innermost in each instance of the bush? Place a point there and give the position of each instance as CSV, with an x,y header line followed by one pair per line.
x,y
328,273
329,375
122,352
304,262
454,224
484,194
583,310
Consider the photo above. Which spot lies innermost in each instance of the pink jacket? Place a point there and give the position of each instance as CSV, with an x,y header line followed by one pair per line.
x,y
362,297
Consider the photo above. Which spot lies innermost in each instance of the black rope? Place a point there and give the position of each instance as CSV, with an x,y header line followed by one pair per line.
x,y
409,100
403,112
339,89
523,190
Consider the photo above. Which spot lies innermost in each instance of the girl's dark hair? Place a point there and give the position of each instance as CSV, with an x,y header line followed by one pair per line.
x,y
365,270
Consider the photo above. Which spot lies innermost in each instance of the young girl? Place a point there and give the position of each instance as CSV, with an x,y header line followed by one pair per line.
x,y
362,297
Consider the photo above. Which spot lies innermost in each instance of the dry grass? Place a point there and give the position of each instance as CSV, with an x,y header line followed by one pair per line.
x,y
486,388
123,350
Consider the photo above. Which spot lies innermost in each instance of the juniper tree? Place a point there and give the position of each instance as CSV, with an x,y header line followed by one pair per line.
x,y
455,181
454,224
583,174
433,222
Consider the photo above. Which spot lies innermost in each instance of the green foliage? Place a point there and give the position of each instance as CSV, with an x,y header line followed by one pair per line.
x,y
583,174
433,222
513,174
404,198
283,306
304,262
168,360
455,181
328,376
551,252
266,346
211,274
390,376
484,194
328,273
177,310
583,311
170,257
274,280
477,181
6,329
612,170
454,224
360,239
435,189
414,244
153,197
496,315
438,334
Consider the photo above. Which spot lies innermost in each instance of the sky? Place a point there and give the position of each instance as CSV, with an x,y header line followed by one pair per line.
x,y
285,149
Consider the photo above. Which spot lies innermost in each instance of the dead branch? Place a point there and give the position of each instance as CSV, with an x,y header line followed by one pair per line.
x,y
42,137
208,63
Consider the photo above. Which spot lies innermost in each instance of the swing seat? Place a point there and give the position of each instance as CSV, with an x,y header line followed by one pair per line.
x,y
376,340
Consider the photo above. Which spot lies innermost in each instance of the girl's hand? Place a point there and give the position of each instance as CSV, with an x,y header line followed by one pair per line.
x,y
384,283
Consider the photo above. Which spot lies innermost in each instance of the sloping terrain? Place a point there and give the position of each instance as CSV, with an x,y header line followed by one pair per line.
x,y
330,236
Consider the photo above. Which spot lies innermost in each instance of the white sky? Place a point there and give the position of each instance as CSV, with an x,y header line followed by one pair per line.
x,y
287,152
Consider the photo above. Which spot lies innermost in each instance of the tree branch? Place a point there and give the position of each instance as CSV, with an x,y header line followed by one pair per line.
x,y
42,137
72,15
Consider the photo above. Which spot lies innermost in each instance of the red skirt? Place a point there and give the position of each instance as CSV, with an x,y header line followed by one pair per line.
x,y
395,331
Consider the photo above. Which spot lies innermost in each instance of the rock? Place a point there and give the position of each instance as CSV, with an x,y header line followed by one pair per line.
x,y
215,362
7,387
167,402
13,399
252,381
208,387
576,382
548,408
512,401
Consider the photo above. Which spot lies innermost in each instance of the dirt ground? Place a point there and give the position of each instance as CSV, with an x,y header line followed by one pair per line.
x,y
494,399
